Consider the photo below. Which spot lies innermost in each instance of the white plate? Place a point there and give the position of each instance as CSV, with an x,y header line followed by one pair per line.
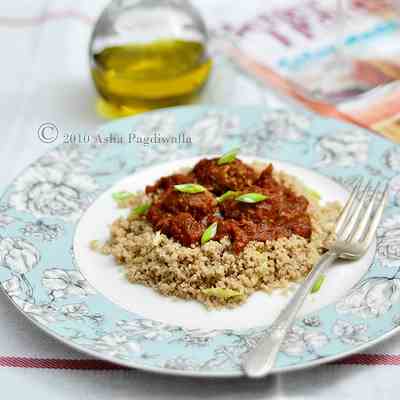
x,y
104,275
62,201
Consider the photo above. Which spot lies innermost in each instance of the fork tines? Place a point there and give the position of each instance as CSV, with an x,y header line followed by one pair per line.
x,y
362,213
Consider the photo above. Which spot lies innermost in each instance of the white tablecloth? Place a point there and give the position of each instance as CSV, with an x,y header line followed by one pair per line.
x,y
45,78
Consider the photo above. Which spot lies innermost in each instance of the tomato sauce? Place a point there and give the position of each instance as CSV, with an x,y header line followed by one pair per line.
x,y
185,216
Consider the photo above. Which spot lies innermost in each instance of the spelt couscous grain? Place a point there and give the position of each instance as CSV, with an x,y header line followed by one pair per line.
x,y
211,273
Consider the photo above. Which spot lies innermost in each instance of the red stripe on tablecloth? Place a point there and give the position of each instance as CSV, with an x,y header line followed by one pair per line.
x,y
18,22
370,359
73,364
57,363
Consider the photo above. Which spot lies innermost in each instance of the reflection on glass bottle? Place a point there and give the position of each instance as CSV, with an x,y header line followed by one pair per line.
x,y
148,54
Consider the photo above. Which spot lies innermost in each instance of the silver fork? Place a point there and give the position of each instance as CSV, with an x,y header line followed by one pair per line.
x,y
355,231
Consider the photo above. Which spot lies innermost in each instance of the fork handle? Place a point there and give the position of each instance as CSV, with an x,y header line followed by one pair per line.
x,y
260,360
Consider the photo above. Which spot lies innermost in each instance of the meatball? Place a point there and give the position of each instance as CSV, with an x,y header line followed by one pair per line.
x,y
244,231
181,226
184,229
220,178
266,179
199,205
167,182
280,215
300,225
288,203
280,205
239,232
294,205
157,217
262,211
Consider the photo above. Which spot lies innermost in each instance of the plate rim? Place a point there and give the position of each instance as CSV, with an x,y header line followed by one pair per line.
x,y
196,374
192,373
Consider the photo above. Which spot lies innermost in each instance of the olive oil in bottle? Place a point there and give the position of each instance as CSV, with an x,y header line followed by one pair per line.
x,y
148,54
139,77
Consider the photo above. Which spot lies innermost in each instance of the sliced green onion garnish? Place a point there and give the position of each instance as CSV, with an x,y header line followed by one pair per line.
x,y
122,198
119,196
227,195
222,293
209,233
140,210
251,198
318,284
228,157
314,194
95,245
190,188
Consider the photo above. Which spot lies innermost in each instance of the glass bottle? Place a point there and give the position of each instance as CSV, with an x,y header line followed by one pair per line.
x,y
147,54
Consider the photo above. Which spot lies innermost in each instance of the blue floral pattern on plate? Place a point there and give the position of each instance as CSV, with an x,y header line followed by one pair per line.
x,y
40,209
